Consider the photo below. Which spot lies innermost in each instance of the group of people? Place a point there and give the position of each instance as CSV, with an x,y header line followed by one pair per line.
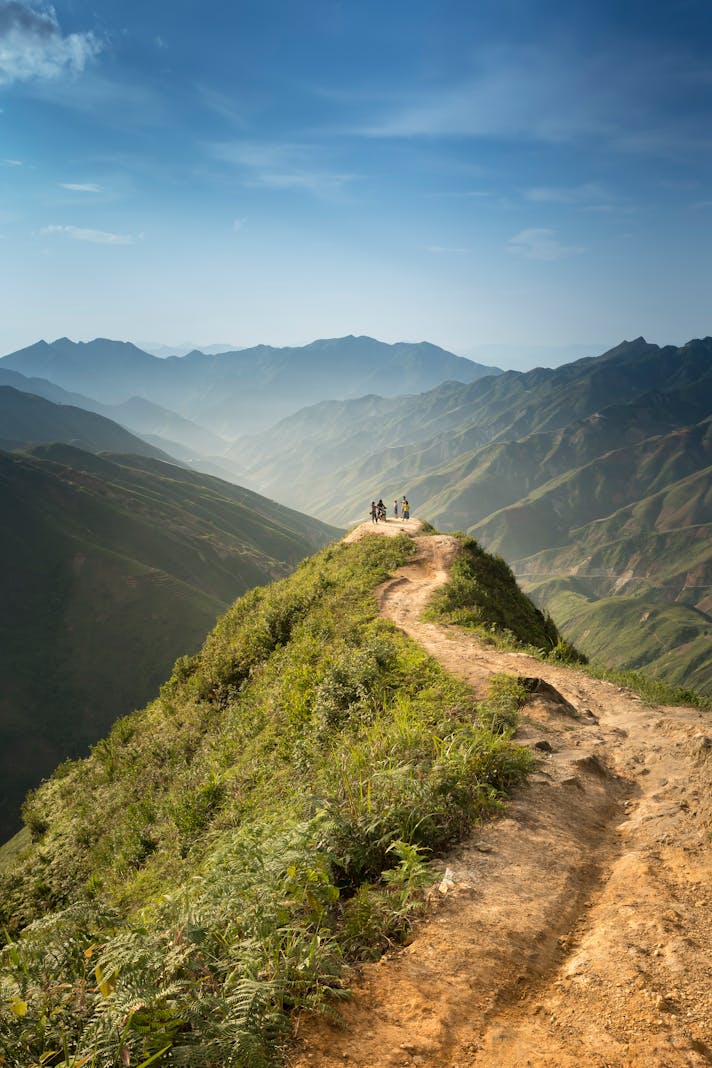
x,y
379,511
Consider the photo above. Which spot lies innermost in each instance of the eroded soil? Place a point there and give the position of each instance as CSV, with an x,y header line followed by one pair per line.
x,y
576,928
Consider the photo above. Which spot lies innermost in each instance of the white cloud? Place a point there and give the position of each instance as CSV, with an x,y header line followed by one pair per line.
x,y
11,162
588,194
317,182
568,92
281,166
466,193
81,187
97,237
541,244
33,46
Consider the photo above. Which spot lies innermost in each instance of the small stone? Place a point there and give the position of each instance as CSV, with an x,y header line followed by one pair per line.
x,y
544,746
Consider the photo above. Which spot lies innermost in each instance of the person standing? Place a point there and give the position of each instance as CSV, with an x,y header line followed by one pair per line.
x,y
374,518
395,508
406,508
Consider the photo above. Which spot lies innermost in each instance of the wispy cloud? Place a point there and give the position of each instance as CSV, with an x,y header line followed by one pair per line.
x,y
97,237
541,244
11,162
588,194
81,187
33,46
464,194
280,166
222,104
630,98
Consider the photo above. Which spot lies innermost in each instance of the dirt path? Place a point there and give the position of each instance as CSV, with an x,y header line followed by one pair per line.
x,y
578,928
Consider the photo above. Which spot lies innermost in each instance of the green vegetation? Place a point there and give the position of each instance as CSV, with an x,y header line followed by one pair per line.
x,y
597,470
114,565
482,594
216,860
639,632
27,420
655,691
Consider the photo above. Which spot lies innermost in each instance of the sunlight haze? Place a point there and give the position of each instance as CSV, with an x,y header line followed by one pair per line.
x,y
471,174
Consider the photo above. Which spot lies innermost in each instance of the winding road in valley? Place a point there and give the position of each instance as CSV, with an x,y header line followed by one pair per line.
x,y
575,929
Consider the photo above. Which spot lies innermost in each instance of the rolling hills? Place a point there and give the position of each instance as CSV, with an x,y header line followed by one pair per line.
x,y
113,566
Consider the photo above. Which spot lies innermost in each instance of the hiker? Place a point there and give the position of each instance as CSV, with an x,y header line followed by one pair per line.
x,y
374,517
406,508
395,508
381,509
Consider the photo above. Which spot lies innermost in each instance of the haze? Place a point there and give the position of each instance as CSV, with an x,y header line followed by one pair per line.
x,y
470,174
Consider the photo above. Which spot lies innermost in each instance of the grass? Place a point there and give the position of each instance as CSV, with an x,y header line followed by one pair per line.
x,y
118,565
223,854
482,594
653,690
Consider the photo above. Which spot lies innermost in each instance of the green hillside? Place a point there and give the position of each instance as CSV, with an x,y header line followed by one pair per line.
x,y
113,566
503,435
635,588
215,861
27,420
563,472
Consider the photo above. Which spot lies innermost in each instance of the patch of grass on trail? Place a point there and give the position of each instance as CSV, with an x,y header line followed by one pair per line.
x,y
221,855
653,690
482,594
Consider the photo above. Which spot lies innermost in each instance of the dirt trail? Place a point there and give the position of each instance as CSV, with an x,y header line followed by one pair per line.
x,y
578,928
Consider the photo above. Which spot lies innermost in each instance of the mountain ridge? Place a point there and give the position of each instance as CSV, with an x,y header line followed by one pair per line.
x,y
221,389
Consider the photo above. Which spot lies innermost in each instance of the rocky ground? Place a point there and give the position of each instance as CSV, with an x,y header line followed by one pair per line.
x,y
574,930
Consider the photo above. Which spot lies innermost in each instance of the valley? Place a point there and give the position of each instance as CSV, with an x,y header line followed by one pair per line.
x,y
119,564
591,479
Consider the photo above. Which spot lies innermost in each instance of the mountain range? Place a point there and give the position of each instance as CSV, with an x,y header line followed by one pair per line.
x,y
249,389
591,478
542,462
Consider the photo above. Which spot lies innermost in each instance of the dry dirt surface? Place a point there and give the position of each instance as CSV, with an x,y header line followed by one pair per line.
x,y
573,930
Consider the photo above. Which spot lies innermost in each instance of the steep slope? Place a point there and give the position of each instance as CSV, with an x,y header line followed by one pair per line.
x,y
113,566
547,517
27,420
217,860
228,854
235,392
541,468
148,420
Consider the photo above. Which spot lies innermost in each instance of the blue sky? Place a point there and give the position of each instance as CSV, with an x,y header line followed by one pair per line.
x,y
473,173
